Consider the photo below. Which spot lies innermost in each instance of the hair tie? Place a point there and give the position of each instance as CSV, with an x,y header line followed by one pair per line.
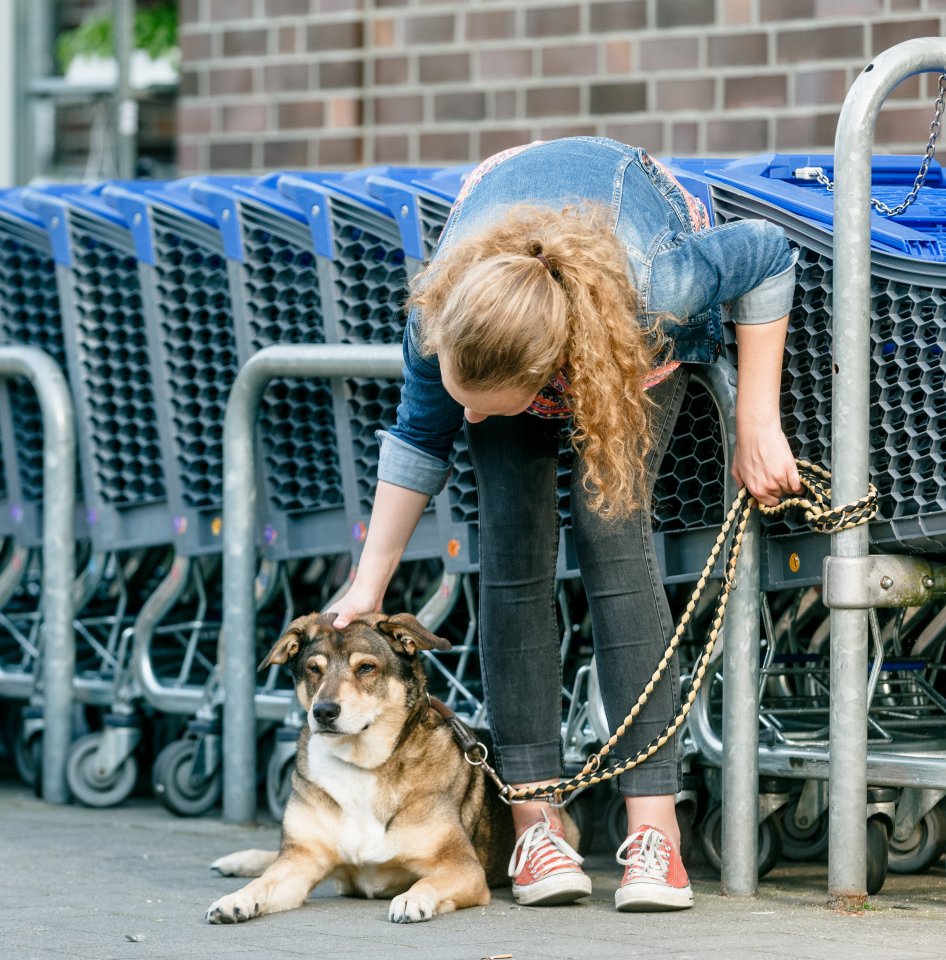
x,y
543,259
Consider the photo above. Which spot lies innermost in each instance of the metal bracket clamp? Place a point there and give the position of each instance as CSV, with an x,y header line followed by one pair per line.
x,y
859,583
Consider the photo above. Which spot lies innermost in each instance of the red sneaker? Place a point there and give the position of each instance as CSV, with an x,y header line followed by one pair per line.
x,y
545,870
654,875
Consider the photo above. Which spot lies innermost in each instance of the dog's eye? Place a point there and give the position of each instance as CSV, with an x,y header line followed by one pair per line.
x,y
364,669
313,668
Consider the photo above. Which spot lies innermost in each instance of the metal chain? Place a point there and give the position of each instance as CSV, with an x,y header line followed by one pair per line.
x,y
819,515
817,173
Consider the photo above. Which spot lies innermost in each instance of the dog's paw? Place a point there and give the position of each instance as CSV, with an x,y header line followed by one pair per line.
x,y
234,908
244,863
412,908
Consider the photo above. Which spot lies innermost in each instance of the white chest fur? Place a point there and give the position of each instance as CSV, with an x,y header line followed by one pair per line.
x,y
360,835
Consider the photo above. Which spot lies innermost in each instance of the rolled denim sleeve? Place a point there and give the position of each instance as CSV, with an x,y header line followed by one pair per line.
x,y
406,466
415,452
748,263
770,300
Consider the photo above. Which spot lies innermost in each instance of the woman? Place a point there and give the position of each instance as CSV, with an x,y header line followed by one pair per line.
x,y
574,281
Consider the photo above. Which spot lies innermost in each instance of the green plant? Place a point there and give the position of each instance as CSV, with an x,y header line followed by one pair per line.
x,y
155,33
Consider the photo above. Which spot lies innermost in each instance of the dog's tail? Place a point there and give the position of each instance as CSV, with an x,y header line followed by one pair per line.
x,y
244,863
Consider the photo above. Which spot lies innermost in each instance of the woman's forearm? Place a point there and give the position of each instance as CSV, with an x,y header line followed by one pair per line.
x,y
761,347
763,460
395,515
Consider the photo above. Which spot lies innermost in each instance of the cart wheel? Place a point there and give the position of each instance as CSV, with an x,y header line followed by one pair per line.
x,y
582,811
878,839
35,747
925,845
184,790
685,816
279,783
157,770
615,820
93,787
803,842
28,758
711,839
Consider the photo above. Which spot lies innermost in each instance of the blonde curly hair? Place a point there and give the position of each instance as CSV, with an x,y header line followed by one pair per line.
x,y
506,320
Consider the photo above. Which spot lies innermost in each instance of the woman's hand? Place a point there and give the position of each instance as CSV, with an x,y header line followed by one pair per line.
x,y
764,463
395,514
357,600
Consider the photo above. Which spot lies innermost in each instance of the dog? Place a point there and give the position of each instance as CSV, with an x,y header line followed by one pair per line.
x,y
382,797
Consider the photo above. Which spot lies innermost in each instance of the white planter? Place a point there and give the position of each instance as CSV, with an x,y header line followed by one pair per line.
x,y
86,71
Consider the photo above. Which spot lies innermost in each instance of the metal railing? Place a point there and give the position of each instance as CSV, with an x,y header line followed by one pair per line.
x,y
239,538
847,854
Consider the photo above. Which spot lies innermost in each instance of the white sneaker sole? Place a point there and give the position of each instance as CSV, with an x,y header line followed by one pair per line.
x,y
648,897
552,891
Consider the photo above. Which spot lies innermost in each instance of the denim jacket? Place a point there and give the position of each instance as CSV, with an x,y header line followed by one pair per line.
x,y
677,270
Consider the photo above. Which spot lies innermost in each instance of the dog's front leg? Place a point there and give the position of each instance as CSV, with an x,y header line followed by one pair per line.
x,y
452,885
283,886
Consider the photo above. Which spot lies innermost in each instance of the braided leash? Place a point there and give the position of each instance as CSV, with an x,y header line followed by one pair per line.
x,y
819,516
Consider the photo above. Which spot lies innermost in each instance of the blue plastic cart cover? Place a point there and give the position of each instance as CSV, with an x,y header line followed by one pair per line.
x,y
789,182
11,204
51,202
402,190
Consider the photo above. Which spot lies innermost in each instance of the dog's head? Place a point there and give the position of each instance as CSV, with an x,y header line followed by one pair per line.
x,y
351,679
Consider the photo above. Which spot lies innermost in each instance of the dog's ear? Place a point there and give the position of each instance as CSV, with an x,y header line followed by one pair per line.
x,y
285,648
406,635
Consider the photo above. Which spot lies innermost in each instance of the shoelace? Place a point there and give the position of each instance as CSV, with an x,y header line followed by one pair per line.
x,y
648,855
550,850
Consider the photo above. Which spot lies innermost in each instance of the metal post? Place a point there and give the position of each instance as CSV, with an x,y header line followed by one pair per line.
x,y
126,107
740,750
32,39
740,838
59,463
850,446
9,91
239,539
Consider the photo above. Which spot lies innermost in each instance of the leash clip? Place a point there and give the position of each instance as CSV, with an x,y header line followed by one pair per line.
x,y
474,761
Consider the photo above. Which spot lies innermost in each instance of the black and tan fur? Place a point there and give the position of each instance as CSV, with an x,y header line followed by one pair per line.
x,y
382,797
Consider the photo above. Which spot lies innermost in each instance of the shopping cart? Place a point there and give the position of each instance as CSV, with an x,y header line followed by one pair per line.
x,y
26,269
908,271
124,494
30,316
313,258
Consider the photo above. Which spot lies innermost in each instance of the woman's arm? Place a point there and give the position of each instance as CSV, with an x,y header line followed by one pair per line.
x,y
413,466
748,263
763,461
395,514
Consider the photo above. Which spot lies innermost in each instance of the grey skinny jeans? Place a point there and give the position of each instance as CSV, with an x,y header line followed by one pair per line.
x,y
515,460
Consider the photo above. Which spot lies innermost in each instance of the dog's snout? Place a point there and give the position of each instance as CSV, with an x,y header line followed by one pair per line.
x,y
326,711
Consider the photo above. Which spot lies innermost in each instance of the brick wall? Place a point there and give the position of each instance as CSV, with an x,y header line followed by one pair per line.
x,y
304,83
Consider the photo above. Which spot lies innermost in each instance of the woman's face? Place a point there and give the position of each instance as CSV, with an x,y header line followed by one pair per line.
x,y
480,404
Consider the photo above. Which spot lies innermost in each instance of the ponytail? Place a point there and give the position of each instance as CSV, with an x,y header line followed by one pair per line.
x,y
539,287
